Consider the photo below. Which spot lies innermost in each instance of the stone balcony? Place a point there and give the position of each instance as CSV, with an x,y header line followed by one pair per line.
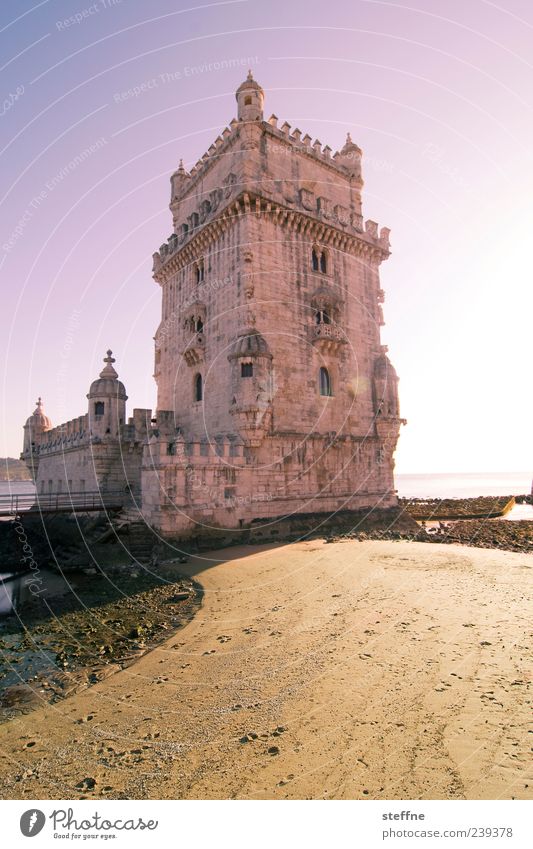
x,y
328,337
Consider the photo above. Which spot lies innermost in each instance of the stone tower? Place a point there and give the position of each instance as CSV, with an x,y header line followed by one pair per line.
x,y
275,394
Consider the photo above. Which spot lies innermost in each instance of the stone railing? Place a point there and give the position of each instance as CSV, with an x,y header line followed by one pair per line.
x,y
329,331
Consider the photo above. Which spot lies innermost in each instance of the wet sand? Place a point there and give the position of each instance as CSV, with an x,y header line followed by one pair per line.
x,y
313,670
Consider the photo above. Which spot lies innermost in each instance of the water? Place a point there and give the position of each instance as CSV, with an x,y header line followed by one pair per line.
x,y
461,485
17,488
13,591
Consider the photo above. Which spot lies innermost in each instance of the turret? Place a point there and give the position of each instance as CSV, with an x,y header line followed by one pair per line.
x,y
250,97
178,181
350,156
107,402
386,403
37,424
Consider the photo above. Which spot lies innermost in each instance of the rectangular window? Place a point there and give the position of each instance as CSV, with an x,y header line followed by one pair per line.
x,y
247,370
99,408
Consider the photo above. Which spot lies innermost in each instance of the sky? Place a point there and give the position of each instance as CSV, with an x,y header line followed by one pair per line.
x,y
101,100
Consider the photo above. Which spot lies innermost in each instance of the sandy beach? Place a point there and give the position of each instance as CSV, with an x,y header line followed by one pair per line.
x,y
346,670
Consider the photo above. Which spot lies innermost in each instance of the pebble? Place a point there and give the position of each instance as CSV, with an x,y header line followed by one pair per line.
x,y
86,784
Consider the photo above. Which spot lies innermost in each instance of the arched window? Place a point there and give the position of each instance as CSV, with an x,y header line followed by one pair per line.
x,y
314,257
323,262
99,408
199,325
198,388
247,101
247,370
324,381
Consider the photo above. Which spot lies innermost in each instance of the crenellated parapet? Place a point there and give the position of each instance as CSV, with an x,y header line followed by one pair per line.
x,y
252,157
329,226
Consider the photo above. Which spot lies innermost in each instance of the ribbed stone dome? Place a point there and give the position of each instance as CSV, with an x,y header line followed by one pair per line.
x,y
108,382
250,343
38,419
248,84
350,146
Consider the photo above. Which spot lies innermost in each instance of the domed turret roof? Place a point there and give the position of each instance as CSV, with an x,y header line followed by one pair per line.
x,y
38,419
250,343
350,146
108,382
248,84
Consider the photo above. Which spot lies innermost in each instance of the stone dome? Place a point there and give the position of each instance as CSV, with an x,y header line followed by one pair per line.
x,y
108,382
350,147
39,421
248,84
250,343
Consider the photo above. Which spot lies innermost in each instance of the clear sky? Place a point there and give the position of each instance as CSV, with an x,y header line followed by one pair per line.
x,y
438,94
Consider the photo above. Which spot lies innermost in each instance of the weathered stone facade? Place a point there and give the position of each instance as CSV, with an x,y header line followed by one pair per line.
x,y
275,395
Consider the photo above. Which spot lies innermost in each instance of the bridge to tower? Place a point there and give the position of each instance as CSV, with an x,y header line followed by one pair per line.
x,y
14,505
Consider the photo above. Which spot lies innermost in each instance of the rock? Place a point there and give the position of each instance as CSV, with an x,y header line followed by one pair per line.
x,y
86,784
181,596
273,750
249,737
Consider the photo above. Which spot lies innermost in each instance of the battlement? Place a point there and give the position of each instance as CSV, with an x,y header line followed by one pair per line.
x,y
314,210
341,162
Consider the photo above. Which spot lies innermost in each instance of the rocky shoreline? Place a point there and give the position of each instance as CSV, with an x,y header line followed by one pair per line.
x,y
71,638
476,533
435,509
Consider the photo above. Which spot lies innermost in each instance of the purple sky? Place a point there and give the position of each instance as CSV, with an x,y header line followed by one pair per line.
x,y
438,94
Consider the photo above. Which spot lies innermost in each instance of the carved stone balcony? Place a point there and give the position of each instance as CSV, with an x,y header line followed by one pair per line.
x,y
328,337
194,350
